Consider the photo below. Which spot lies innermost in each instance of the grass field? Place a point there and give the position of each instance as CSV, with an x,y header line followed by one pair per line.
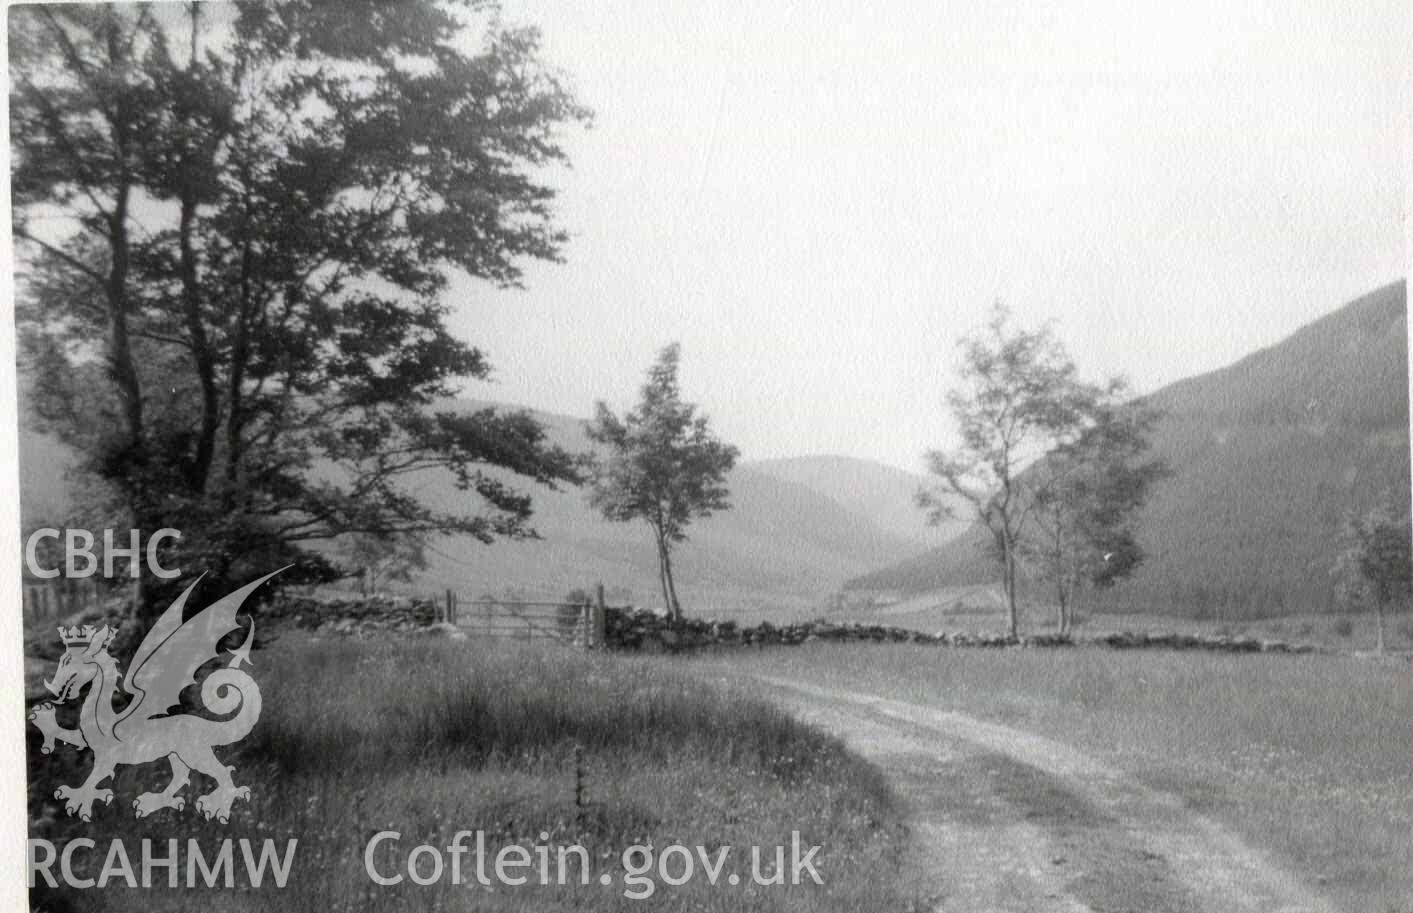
x,y
979,609
1354,632
1308,757
430,737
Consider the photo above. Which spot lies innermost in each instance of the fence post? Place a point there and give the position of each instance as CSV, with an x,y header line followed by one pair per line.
x,y
581,793
596,627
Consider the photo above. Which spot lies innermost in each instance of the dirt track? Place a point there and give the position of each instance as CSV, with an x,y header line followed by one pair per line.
x,y
1010,821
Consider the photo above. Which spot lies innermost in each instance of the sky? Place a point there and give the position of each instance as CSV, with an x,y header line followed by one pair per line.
x,y
817,199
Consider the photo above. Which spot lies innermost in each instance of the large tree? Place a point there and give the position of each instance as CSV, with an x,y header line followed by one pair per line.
x,y
1020,397
662,465
1087,493
239,223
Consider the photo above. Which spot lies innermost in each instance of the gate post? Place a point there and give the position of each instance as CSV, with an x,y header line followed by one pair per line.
x,y
596,625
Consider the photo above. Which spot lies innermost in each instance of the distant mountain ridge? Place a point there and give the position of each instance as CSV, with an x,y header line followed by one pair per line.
x,y
783,548
887,496
1270,453
782,545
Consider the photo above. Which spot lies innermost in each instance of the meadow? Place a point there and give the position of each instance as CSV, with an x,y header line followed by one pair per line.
x,y
1352,631
979,609
1308,757
427,737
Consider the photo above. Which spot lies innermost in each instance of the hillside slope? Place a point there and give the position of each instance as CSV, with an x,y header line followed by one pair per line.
x,y
783,547
883,494
1269,454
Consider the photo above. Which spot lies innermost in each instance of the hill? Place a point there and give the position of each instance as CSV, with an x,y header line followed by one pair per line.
x,y
1270,453
783,546
883,494
782,550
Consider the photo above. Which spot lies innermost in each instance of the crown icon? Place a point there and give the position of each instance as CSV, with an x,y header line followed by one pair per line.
x,y
76,636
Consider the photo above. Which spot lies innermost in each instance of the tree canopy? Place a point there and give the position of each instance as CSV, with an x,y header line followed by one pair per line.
x,y
1040,445
239,224
663,465
1087,493
1375,560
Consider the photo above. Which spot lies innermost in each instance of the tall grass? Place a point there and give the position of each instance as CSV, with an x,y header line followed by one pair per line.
x,y
430,737
376,708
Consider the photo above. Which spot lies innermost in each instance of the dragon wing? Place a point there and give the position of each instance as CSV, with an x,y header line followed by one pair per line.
x,y
167,660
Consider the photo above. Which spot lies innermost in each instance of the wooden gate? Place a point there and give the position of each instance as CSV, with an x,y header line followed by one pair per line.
x,y
581,624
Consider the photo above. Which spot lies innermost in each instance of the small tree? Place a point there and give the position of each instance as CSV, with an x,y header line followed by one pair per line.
x,y
1020,398
1087,494
1375,562
382,558
663,465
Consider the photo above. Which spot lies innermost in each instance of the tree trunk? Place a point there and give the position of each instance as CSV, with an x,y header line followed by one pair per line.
x,y
125,377
662,572
200,345
675,606
202,355
1010,586
120,359
240,355
1380,646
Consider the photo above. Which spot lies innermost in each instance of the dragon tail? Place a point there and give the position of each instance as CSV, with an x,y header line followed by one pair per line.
x,y
227,690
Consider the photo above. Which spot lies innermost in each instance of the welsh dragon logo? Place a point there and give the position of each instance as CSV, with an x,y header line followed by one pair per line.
x,y
145,730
